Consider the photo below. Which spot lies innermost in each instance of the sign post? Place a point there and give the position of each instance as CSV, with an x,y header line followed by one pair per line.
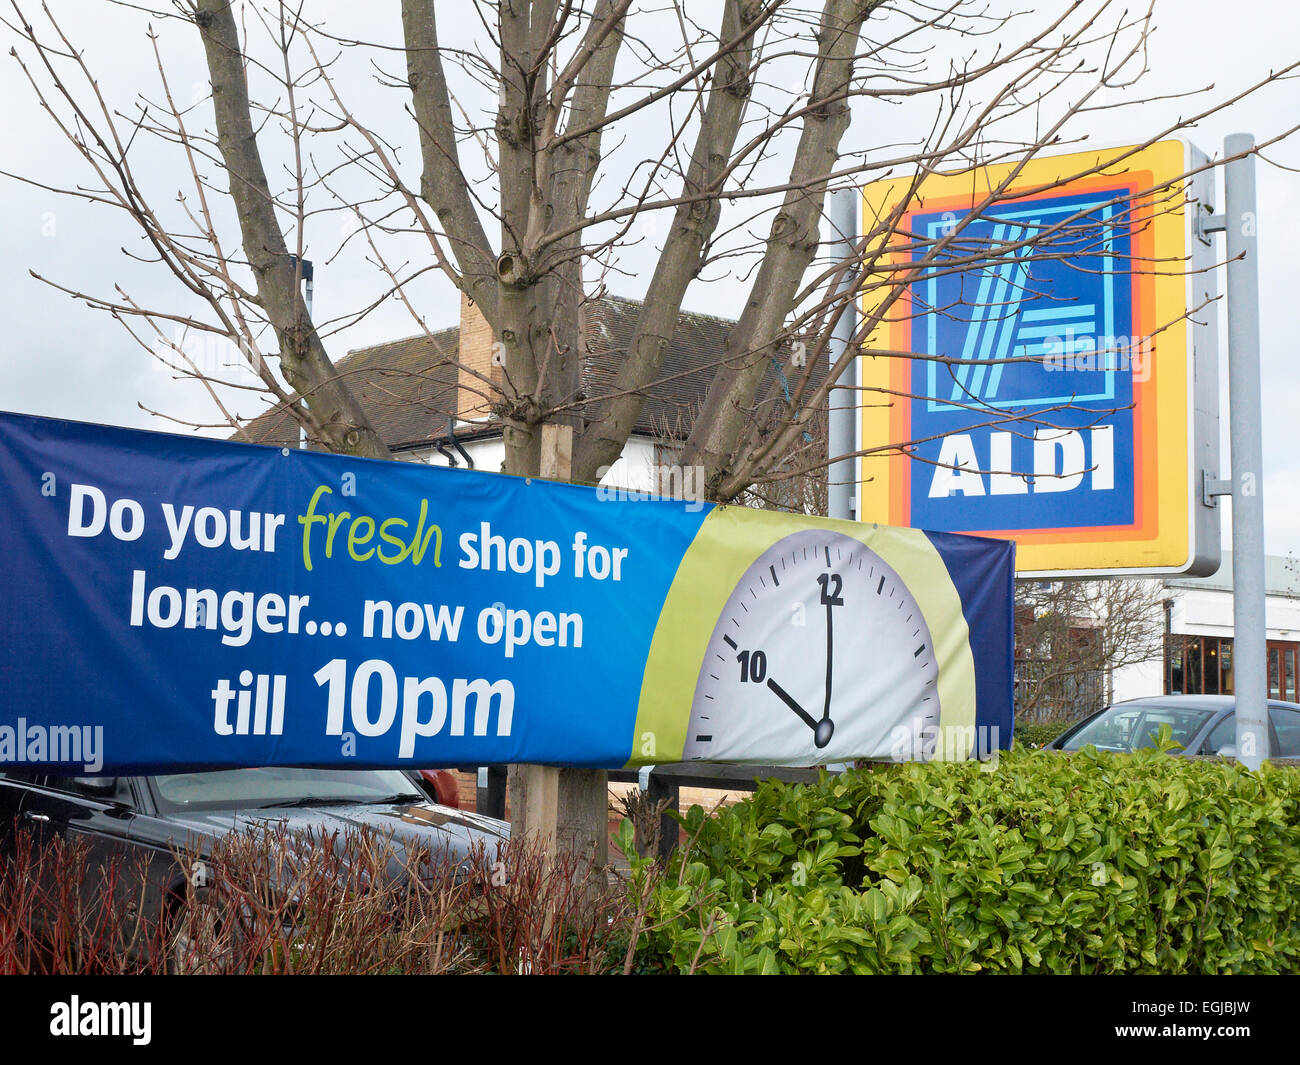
x,y
1248,593
843,402
564,809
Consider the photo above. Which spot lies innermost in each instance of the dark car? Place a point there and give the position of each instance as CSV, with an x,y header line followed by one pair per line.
x,y
1201,724
144,821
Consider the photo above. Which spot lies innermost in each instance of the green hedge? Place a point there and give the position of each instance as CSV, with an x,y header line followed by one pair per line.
x,y
1072,864
1036,735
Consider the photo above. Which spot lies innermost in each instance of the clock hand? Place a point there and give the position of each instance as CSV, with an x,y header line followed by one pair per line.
x,y
831,597
822,730
830,657
786,698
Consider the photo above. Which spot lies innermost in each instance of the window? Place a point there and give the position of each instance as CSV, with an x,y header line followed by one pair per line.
x,y
100,789
1174,669
1195,682
1224,734
1203,665
1282,680
268,787
1210,666
1198,665
1286,723
1183,726
1112,731
1130,728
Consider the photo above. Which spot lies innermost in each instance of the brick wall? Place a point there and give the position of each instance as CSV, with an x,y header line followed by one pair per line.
x,y
467,789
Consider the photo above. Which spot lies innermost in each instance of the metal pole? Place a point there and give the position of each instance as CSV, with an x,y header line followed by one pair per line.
x,y
308,277
1250,666
841,430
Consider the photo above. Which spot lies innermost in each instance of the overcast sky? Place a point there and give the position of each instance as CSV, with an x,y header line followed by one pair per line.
x,y
63,359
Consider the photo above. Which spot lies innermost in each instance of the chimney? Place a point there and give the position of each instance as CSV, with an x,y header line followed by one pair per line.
x,y
476,347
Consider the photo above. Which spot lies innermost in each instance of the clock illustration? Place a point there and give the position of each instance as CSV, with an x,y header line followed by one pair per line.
x,y
820,654
803,642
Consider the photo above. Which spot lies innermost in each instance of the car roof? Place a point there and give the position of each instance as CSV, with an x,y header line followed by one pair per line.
x,y
1196,702
1193,702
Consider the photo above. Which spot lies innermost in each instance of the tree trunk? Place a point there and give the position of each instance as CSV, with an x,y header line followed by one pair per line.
x,y
333,411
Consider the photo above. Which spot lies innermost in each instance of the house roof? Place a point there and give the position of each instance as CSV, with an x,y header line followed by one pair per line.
x,y
689,364
408,386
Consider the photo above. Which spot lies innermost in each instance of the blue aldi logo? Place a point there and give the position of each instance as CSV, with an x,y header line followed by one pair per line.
x,y
1042,378
1027,396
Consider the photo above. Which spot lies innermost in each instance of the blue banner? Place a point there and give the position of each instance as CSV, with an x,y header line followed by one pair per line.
x,y
179,603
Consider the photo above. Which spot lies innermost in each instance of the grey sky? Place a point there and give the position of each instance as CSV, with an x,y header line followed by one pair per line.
x,y
62,359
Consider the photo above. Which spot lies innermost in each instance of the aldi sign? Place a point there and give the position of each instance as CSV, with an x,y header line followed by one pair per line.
x,y
1042,367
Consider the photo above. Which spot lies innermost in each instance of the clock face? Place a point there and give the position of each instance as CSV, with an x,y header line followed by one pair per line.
x,y
821,652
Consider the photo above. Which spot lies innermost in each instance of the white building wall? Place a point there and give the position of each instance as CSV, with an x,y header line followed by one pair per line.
x,y
489,455
1138,680
1204,612
635,470
1209,613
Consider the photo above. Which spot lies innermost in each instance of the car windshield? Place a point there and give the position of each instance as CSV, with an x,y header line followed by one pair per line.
x,y
246,788
1129,728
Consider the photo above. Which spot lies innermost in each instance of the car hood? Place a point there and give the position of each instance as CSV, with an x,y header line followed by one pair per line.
x,y
437,829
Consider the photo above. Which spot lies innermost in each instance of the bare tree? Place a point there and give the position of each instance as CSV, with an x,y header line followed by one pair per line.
x,y
1072,635
556,140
